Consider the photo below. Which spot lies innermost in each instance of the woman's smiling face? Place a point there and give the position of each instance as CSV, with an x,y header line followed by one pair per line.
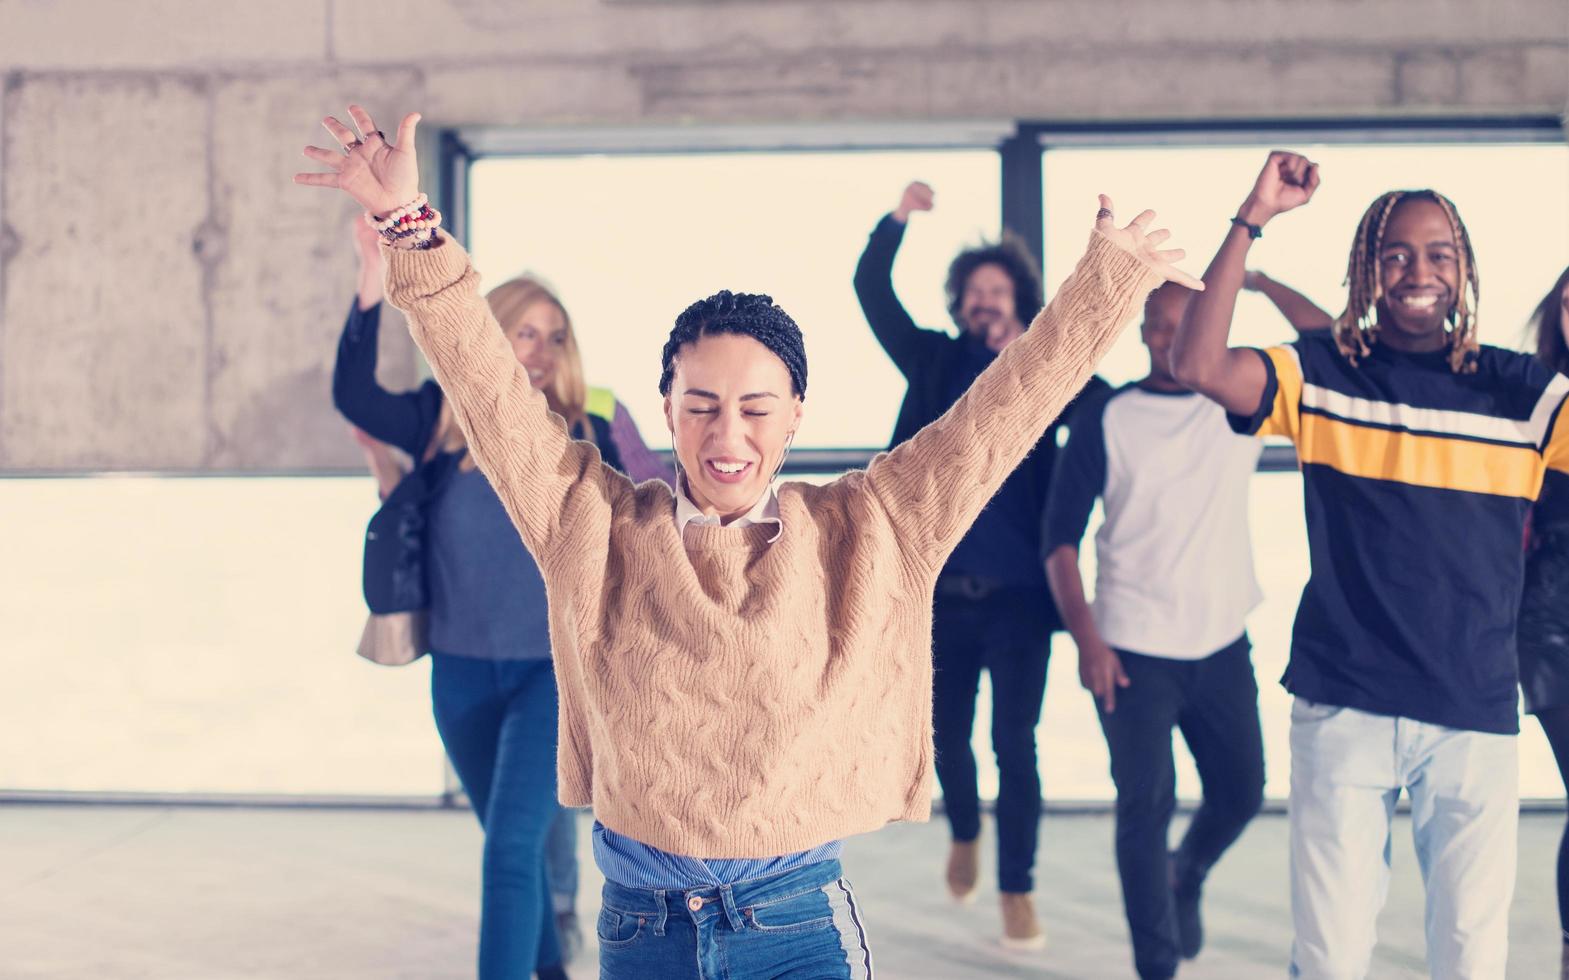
x,y
732,413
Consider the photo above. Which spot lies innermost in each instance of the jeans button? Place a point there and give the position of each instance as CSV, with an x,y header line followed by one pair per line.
x,y
694,903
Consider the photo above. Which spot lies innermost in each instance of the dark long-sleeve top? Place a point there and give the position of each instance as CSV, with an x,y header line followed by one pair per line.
x,y
487,598
1003,546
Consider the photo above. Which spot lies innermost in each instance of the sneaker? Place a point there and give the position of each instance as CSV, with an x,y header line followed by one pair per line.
x,y
1021,930
570,936
1186,892
964,870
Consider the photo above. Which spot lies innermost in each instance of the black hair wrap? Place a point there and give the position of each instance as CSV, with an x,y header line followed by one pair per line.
x,y
754,315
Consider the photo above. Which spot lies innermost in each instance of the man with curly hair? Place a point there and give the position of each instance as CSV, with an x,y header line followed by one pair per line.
x,y
993,610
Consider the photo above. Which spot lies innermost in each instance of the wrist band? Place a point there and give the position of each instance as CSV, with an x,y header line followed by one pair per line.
x,y
413,241
412,226
1254,231
396,215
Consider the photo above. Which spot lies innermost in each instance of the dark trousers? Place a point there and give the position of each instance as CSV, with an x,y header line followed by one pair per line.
x,y
1214,701
497,720
1555,723
1007,634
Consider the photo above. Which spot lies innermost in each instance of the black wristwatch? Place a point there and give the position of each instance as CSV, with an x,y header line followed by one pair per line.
x,y
1254,231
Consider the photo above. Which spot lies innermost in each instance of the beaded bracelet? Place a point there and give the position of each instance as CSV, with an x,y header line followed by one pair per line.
x,y
412,226
427,219
421,220
414,207
413,241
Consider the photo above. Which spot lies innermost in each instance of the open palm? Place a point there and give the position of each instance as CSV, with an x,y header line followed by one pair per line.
x,y
1136,239
380,176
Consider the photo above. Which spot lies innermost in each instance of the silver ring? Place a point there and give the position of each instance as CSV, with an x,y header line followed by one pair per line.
x,y
1102,213
352,146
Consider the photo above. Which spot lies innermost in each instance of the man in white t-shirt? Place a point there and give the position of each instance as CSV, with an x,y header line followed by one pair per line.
x,y
1165,644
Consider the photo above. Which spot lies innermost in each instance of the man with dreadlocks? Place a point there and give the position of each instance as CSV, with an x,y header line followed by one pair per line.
x,y
1421,452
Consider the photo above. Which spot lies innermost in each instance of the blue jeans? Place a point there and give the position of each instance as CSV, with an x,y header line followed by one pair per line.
x,y
561,861
497,720
800,925
1347,770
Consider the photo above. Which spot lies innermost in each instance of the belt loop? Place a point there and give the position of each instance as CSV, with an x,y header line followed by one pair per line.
x,y
727,901
664,913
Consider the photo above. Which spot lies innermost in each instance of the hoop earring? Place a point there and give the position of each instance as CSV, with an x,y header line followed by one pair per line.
x,y
675,460
789,442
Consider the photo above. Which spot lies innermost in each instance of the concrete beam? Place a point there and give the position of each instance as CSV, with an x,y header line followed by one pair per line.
x,y
530,94
160,34
363,30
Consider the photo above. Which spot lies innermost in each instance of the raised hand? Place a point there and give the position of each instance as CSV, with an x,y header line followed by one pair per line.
x,y
378,175
918,196
1136,239
1287,181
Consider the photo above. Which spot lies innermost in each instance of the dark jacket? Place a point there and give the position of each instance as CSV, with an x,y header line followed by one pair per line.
x,y
931,362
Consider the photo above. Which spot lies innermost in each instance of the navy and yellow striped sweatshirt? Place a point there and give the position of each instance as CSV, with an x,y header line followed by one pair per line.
x,y
1417,482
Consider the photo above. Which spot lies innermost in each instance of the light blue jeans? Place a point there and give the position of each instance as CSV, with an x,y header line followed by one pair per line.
x,y
796,925
1347,770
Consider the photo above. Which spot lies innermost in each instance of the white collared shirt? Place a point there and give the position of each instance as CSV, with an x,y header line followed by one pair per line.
x,y
765,511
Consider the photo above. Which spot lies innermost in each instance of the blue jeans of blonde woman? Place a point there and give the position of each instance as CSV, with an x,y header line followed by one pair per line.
x,y
497,720
561,861
1348,768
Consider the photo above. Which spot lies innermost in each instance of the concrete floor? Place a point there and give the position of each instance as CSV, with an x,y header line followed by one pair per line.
x,y
213,893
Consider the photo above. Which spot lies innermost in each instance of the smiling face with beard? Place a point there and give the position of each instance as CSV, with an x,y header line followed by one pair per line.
x,y
986,307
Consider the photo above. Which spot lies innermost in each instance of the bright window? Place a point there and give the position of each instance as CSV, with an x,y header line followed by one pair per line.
x,y
630,241
1522,243
196,635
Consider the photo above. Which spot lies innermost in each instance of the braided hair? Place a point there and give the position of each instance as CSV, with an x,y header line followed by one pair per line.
x,y
754,315
1356,329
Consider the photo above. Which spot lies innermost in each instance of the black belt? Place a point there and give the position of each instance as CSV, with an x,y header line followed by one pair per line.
x,y
957,586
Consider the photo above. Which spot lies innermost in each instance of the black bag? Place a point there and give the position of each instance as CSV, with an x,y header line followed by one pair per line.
x,y
395,547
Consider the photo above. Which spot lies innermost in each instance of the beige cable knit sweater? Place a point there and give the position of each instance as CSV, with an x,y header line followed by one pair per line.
x,y
722,697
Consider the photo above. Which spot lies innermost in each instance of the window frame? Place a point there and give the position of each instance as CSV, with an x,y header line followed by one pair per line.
x,y
1021,147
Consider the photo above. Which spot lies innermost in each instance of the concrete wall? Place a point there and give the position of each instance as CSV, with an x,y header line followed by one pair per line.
x,y
171,301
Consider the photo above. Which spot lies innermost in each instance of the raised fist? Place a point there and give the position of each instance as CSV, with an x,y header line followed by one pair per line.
x,y
1287,181
918,196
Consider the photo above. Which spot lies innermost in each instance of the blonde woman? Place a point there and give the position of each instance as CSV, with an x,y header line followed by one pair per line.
x,y
492,688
